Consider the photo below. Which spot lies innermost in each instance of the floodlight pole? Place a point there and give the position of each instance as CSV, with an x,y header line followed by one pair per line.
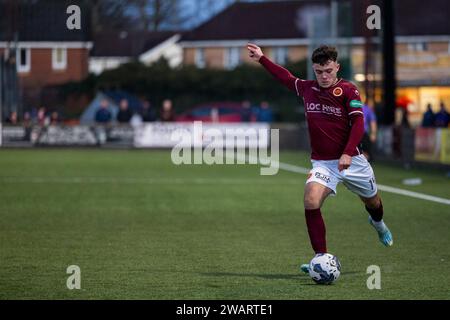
x,y
389,56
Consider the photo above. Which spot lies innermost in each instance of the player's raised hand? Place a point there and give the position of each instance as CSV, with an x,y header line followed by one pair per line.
x,y
344,162
254,52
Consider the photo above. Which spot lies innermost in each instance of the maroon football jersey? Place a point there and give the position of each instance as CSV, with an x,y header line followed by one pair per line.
x,y
328,112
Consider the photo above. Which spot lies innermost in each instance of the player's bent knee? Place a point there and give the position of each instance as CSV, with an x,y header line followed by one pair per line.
x,y
373,202
312,202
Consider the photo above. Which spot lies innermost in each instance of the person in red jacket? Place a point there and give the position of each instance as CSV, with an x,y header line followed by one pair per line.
x,y
333,110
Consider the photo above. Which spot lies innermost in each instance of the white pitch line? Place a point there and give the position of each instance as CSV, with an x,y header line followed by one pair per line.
x,y
281,165
412,194
293,168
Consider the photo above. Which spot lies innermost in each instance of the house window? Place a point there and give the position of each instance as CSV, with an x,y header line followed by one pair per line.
x,y
23,60
418,47
200,58
281,55
59,58
232,58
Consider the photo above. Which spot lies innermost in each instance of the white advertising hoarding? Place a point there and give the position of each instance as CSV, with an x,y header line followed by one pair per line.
x,y
197,134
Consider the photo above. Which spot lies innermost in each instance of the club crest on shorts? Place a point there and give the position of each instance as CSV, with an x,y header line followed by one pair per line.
x,y
337,92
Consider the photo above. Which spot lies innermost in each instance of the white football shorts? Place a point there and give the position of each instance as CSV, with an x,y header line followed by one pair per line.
x,y
358,178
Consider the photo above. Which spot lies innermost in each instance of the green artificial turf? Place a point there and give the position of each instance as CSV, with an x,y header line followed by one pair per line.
x,y
140,227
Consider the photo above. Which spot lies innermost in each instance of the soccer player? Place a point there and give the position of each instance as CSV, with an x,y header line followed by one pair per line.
x,y
335,119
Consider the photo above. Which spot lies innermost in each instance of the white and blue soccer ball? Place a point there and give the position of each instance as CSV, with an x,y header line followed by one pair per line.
x,y
324,268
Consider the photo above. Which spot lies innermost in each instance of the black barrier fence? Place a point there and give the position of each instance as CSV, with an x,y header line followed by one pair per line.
x,y
155,135
9,88
67,136
393,143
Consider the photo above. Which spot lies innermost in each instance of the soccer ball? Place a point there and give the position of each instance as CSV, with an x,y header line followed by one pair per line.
x,y
324,268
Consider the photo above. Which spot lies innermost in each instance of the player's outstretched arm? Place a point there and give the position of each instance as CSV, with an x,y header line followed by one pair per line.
x,y
280,73
356,134
254,52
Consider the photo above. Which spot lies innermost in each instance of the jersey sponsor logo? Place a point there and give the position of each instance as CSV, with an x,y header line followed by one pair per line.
x,y
323,108
356,104
337,92
323,177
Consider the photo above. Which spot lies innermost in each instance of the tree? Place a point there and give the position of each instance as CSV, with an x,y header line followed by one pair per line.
x,y
109,15
155,15
174,14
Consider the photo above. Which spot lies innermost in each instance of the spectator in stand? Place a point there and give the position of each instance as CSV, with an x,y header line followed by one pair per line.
x,y
124,115
136,120
54,118
28,125
42,118
246,111
442,118
27,120
103,115
402,105
428,117
148,114
167,113
12,118
215,115
264,113
33,114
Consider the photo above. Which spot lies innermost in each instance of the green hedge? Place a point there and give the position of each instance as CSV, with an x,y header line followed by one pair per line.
x,y
188,86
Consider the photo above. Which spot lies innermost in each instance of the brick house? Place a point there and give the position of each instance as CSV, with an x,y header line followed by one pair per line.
x,y
46,52
289,30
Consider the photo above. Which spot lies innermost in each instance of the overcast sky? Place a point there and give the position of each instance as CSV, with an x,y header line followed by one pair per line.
x,y
206,11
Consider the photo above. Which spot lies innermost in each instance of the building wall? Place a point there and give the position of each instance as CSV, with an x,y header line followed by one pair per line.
x,y
432,63
244,56
439,47
41,72
189,56
420,71
298,53
215,57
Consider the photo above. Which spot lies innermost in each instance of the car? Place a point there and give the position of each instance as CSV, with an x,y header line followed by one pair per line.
x,y
213,112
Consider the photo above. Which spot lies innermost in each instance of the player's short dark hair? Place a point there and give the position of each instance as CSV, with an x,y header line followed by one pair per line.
x,y
323,54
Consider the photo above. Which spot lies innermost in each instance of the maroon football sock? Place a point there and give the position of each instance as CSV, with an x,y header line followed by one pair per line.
x,y
376,214
316,230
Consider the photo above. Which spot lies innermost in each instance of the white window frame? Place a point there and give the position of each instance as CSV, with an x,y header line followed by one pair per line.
x,y
59,65
421,46
232,57
417,46
27,67
281,55
200,61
